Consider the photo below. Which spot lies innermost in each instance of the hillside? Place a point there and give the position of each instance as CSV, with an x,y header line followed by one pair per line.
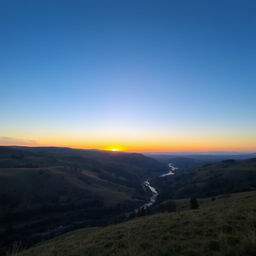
x,y
42,189
195,159
188,162
184,164
45,192
227,176
225,226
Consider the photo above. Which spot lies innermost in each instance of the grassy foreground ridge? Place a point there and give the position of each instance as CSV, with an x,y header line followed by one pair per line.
x,y
224,226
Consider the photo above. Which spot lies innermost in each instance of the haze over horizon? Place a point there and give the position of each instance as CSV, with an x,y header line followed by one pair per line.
x,y
144,76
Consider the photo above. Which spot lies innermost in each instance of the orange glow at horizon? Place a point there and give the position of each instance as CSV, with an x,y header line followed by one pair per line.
x,y
155,147
146,143
147,148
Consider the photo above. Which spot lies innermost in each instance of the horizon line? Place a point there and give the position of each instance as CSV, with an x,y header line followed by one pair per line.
x,y
141,151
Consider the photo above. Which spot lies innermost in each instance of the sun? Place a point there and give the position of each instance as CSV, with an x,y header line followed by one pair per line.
x,y
114,149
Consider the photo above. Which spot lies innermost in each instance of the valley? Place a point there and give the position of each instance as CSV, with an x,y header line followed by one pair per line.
x,y
46,192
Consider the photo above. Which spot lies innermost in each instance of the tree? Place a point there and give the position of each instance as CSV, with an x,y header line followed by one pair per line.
x,y
193,203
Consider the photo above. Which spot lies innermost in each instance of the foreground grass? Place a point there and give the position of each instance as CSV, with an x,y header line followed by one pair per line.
x,y
225,226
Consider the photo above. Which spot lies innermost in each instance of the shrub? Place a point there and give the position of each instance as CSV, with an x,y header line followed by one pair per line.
x,y
193,203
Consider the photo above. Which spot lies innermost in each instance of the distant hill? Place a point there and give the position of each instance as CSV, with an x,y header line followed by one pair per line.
x,y
218,157
43,188
227,176
187,162
225,226
183,163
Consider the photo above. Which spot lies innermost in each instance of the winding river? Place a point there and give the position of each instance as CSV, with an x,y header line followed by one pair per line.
x,y
153,190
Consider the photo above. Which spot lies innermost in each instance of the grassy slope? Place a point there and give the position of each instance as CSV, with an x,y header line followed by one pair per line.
x,y
226,226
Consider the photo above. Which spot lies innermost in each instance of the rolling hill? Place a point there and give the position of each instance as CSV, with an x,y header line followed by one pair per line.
x,y
47,191
227,176
184,164
44,189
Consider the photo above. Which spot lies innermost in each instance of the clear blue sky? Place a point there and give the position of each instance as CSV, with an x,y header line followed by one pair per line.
x,y
156,73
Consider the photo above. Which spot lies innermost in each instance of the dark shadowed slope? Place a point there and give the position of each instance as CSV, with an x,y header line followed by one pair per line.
x,y
227,176
43,188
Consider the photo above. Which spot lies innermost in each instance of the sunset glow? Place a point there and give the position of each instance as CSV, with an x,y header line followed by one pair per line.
x,y
114,149
123,80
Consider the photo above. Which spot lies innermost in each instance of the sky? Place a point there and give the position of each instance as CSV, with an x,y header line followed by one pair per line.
x,y
135,75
